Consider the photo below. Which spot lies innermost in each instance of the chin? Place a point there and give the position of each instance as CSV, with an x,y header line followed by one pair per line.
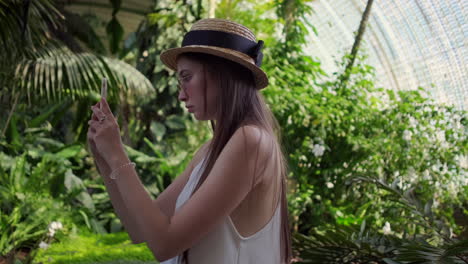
x,y
199,118
202,118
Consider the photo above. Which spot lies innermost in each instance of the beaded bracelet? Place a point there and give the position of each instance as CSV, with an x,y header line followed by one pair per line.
x,y
112,176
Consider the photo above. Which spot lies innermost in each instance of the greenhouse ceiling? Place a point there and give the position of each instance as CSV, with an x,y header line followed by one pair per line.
x,y
411,44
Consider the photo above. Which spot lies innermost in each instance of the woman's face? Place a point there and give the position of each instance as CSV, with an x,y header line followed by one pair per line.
x,y
192,81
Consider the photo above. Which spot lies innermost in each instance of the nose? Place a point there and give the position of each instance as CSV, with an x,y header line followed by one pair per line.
x,y
182,95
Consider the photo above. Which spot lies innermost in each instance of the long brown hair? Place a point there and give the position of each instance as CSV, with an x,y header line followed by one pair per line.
x,y
239,101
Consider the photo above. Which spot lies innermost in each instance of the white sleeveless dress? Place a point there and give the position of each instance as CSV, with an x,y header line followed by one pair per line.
x,y
225,245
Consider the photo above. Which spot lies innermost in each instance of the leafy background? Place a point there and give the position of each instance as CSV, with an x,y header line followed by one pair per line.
x,y
375,175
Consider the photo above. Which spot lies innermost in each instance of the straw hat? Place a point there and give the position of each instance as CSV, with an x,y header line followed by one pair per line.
x,y
223,38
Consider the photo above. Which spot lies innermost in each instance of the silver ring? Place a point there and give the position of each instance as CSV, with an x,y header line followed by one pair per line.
x,y
102,119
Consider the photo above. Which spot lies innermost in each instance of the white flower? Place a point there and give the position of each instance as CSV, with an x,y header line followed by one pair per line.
x,y
386,229
412,174
444,169
51,232
407,135
318,150
452,188
400,184
462,161
43,245
426,175
55,225
413,122
330,185
444,145
440,136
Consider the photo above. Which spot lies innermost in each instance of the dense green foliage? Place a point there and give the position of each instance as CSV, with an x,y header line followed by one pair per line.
x,y
374,175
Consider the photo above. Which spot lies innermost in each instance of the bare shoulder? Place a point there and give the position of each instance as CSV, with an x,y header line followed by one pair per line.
x,y
256,146
256,138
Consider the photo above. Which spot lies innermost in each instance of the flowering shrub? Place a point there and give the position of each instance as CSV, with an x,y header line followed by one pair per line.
x,y
334,134
53,227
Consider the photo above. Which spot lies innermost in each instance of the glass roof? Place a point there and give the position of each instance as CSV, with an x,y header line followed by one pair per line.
x,y
410,43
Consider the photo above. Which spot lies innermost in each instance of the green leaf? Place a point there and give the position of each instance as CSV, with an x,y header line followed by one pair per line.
x,y
85,218
70,151
158,129
389,261
175,122
18,173
86,200
97,226
13,133
72,182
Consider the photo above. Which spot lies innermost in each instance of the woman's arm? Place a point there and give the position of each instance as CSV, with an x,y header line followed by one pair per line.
x,y
120,209
169,196
166,201
226,186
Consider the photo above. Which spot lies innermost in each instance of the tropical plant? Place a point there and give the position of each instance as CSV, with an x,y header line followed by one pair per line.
x,y
40,184
25,210
40,66
36,63
348,244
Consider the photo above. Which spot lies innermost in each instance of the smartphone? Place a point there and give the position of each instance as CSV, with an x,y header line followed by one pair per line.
x,y
103,90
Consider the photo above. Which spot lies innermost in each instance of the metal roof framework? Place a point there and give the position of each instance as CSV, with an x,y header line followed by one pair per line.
x,y
410,43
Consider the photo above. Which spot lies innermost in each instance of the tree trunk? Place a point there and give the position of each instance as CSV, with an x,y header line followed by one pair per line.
x,y
357,42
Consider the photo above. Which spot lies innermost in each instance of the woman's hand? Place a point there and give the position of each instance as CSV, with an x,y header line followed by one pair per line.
x,y
104,136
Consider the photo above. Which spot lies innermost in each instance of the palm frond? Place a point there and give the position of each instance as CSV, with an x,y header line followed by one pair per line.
x,y
344,244
24,26
454,252
55,72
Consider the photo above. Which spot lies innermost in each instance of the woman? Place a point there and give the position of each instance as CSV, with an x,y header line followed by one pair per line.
x,y
229,205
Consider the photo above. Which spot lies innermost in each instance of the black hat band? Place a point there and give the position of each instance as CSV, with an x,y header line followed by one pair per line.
x,y
226,40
